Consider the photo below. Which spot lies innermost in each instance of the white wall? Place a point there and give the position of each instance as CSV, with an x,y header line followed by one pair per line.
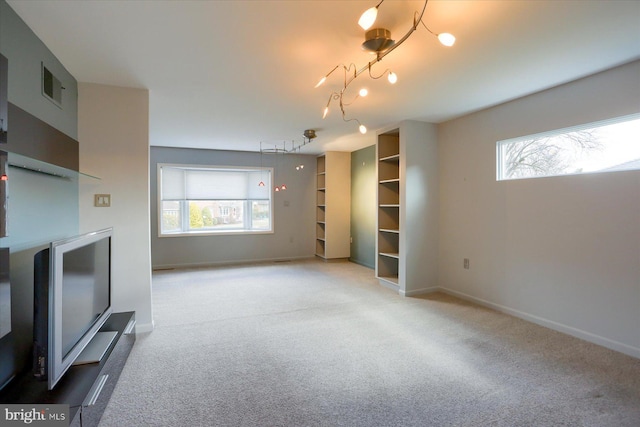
x,y
113,131
294,213
563,251
418,207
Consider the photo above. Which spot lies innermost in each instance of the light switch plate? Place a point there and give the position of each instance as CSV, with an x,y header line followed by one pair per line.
x,y
102,200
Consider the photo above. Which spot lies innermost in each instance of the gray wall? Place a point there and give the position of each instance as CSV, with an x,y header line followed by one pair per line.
x,y
25,53
363,206
560,251
41,207
294,213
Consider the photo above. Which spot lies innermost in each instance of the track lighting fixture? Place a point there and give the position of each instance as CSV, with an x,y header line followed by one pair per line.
x,y
378,41
309,135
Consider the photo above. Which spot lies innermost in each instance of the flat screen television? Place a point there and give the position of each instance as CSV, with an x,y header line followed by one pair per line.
x,y
72,300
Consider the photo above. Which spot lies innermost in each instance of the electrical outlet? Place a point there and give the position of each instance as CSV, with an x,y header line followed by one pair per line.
x,y
466,263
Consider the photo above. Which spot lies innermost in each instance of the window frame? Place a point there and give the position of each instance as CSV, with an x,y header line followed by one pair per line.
x,y
184,203
558,132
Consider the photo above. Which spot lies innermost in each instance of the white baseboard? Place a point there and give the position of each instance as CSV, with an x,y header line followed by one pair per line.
x,y
569,330
142,328
415,292
229,263
389,285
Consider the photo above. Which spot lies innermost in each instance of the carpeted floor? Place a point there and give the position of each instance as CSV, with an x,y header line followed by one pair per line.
x,y
323,344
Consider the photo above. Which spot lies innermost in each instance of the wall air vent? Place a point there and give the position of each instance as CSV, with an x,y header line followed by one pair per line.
x,y
51,87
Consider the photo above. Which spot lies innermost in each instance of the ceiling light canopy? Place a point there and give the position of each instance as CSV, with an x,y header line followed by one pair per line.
x,y
378,41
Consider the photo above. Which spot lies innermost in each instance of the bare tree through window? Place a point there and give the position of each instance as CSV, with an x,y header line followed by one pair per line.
x,y
568,152
552,155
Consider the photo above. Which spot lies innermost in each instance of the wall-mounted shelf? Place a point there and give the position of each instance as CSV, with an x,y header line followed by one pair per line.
x,y
28,164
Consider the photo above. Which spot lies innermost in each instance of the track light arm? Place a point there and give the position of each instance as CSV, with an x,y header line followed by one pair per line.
x,y
349,78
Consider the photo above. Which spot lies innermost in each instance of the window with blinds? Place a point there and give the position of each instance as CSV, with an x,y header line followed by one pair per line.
x,y
213,200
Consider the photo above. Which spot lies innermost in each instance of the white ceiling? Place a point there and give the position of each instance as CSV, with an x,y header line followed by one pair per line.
x,y
229,74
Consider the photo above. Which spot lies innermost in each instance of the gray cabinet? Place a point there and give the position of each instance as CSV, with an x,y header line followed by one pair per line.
x,y
85,388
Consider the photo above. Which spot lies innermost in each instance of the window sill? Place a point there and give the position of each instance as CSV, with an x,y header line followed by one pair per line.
x,y
217,233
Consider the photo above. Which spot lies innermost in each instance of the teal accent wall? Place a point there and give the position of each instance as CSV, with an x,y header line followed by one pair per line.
x,y
363,206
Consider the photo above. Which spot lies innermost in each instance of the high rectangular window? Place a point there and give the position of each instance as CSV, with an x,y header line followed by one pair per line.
x,y
612,145
213,200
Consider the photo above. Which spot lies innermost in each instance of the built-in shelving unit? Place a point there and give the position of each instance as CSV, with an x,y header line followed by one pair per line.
x,y
321,207
388,239
333,212
407,207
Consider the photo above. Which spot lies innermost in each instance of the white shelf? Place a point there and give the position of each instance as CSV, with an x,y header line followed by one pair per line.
x,y
390,279
390,255
393,158
389,230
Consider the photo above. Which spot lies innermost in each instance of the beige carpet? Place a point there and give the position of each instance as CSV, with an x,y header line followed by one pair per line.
x,y
323,344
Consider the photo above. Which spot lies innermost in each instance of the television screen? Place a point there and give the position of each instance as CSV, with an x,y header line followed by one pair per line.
x,y
72,300
85,290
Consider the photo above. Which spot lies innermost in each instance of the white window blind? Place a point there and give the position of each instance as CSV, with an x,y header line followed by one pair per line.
x,y
197,199
184,184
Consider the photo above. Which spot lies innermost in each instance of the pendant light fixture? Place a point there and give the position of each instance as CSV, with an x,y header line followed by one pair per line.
x,y
284,161
275,170
261,183
378,41
369,16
